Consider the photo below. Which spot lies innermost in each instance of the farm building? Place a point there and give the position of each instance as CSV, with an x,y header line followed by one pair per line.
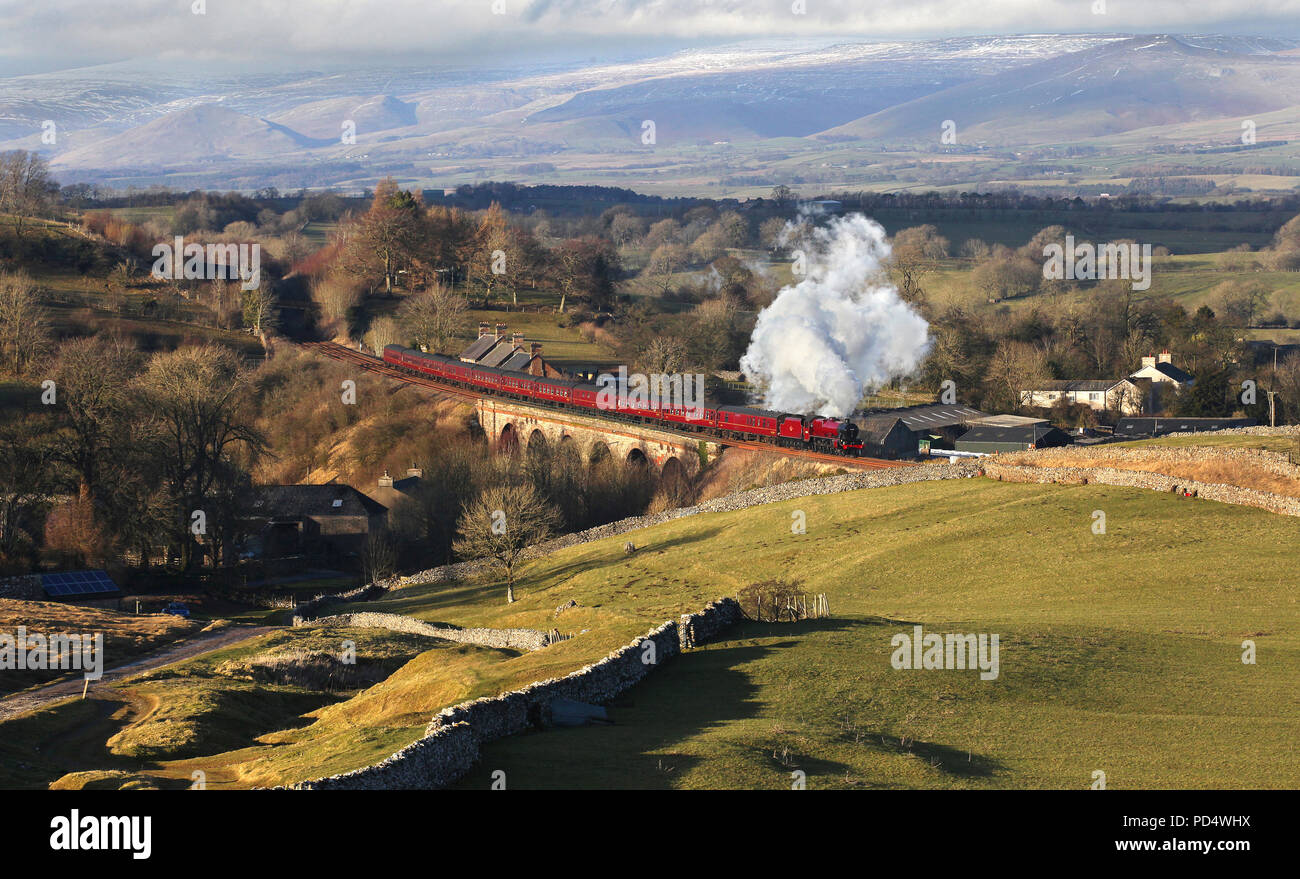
x,y
906,431
1150,426
1166,380
988,440
326,522
390,491
494,348
1121,395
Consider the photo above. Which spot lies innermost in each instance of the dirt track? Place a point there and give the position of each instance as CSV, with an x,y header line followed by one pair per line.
x,y
43,697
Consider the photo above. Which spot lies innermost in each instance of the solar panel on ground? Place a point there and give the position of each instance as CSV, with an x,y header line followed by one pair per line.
x,y
66,583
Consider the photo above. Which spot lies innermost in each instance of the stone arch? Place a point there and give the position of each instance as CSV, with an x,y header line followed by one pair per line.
x,y
672,472
636,458
598,452
567,438
508,442
537,443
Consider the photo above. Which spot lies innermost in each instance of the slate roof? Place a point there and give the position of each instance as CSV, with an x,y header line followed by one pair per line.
x,y
480,346
498,356
518,361
314,501
1089,384
1181,376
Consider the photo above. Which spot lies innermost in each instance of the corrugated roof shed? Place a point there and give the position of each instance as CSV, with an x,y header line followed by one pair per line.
x,y
931,417
1029,434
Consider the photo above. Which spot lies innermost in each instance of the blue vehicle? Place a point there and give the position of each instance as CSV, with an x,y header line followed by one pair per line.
x,y
177,608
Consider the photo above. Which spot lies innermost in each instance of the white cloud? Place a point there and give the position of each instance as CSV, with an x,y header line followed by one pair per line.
x,y
72,32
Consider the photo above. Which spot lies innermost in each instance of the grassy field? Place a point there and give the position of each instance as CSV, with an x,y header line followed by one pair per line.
x,y
1231,441
1119,652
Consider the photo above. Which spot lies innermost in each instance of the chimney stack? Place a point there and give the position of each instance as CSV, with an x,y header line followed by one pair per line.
x,y
1166,357
385,481
415,471
484,328
535,349
1148,361
501,330
517,340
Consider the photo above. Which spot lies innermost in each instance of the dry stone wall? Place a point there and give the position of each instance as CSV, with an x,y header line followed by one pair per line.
x,y
1257,460
25,586
1228,494
451,742
517,639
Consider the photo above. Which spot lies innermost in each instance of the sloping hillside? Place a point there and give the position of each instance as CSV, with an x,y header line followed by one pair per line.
x,y
1139,83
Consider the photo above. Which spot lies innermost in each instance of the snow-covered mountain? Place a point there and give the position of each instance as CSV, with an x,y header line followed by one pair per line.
x,y
1002,89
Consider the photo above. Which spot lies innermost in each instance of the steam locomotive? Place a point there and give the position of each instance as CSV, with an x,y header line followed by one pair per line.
x,y
829,435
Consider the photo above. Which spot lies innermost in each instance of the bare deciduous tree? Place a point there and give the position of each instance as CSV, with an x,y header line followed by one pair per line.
x,y
432,317
25,186
24,329
500,523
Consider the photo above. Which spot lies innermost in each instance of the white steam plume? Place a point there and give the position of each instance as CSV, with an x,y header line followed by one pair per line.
x,y
841,330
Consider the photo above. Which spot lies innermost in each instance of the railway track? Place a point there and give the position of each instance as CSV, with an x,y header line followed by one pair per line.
x,y
338,352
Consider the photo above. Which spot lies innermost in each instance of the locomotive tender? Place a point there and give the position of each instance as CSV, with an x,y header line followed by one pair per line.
x,y
829,435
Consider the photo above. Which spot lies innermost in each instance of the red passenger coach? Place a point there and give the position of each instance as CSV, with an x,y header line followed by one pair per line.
x,y
747,420
743,421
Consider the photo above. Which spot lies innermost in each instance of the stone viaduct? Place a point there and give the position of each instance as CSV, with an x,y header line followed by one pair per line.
x,y
518,425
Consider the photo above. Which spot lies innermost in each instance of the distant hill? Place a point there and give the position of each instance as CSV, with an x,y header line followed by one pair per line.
x,y
200,134
744,115
324,119
1139,83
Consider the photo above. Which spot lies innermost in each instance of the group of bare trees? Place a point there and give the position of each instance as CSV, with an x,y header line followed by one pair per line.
x,y
470,504
441,259
25,187
137,457
24,324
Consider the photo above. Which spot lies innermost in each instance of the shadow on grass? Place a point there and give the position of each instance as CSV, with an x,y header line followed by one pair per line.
x,y
689,695
948,760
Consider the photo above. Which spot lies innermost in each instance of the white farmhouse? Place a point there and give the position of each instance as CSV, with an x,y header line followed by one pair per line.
x,y
1166,379
1108,394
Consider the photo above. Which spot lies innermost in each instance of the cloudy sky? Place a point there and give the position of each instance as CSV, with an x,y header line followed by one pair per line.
x,y
42,35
